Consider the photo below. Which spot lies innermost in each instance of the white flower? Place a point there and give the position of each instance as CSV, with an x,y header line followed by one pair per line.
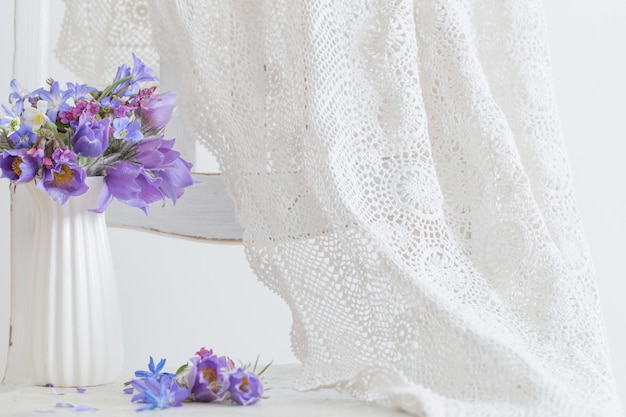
x,y
35,117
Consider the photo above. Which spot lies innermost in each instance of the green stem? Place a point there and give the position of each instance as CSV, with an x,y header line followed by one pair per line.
x,y
110,88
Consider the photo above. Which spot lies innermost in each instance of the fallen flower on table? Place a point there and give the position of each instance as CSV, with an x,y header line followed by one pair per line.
x,y
207,377
158,393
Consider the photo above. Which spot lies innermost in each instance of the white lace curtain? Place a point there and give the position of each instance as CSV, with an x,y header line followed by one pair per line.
x,y
399,170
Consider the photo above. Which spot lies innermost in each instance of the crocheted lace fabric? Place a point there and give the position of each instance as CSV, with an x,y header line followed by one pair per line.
x,y
400,172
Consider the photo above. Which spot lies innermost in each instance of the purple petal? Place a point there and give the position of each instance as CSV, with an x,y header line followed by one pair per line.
x,y
64,405
54,391
85,408
128,390
81,390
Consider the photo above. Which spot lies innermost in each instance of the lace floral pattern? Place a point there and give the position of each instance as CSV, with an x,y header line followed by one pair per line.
x,y
400,172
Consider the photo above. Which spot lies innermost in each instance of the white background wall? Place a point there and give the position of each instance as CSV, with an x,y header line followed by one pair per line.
x,y
178,295
589,60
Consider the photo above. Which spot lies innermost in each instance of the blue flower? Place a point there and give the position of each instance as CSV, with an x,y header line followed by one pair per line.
x,y
10,120
140,73
23,137
124,129
154,371
109,104
18,93
78,91
158,394
55,98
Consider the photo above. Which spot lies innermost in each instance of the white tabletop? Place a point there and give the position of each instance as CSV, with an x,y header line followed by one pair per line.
x,y
109,400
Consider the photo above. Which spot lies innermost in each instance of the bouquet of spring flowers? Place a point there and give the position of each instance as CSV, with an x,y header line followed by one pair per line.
x,y
59,137
207,377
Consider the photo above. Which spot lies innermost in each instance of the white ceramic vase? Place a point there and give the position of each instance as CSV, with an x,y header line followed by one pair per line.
x,y
75,327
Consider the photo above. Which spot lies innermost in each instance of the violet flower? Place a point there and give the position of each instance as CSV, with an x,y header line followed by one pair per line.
x,y
174,178
77,91
156,110
157,156
17,96
23,137
140,73
204,353
158,394
20,165
65,179
129,183
92,136
10,120
208,378
245,387
156,153
124,129
55,97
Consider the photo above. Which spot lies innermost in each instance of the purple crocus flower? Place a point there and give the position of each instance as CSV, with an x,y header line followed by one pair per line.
x,y
158,156
245,387
174,178
126,130
23,137
91,137
156,110
65,179
131,184
156,153
20,165
208,378
158,394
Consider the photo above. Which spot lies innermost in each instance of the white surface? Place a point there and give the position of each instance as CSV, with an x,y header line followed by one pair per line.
x,y
283,401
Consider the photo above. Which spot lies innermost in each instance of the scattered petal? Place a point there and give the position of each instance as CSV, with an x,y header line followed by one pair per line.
x,y
48,385
54,391
64,405
128,390
81,390
85,408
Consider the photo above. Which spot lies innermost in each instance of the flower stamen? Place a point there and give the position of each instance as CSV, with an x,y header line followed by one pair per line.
x,y
16,165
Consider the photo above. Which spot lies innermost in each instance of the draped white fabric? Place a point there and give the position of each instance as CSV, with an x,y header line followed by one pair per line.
x,y
399,170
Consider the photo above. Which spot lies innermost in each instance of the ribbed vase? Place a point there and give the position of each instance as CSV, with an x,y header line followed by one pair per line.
x,y
75,326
